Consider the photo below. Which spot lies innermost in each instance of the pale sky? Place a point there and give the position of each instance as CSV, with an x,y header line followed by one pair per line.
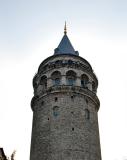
x,y
30,30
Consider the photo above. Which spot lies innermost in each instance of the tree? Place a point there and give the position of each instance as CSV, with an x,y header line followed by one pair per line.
x,y
13,155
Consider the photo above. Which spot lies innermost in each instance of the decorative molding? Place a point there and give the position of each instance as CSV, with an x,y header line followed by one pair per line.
x,y
65,89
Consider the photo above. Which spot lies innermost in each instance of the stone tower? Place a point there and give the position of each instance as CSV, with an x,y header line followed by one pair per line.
x,y
65,108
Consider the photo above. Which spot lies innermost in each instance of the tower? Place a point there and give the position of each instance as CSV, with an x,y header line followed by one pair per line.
x,y
65,108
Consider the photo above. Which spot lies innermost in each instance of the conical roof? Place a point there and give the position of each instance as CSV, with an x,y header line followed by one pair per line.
x,y
65,46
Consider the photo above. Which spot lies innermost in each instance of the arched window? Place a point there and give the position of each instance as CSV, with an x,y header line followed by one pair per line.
x,y
58,62
71,78
43,82
35,84
84,81
93,87
34,101
87,114
56,78
55,111
70,62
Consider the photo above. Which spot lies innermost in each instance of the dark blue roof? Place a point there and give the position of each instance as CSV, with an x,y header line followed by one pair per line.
x,y
65,47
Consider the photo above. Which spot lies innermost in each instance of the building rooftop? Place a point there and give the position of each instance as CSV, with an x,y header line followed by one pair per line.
x,y
2,154
65,46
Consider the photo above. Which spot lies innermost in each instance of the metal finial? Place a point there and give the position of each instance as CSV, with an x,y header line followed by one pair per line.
x,y
65,28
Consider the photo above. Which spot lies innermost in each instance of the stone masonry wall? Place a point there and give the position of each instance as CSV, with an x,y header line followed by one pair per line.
x,y
65,120
66,134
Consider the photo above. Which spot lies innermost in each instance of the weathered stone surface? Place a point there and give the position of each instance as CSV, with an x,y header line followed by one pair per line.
x,y
62,130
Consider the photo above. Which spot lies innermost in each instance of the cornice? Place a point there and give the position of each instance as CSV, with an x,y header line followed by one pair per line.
x,y
65,89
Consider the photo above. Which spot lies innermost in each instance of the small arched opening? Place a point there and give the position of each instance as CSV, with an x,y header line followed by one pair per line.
x,y
70,62
35,84
71,78
93,87
87,114
56,78
84,81
58,62
55,111
43,82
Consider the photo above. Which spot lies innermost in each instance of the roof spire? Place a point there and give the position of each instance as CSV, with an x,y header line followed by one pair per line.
x,y
65,28
65,46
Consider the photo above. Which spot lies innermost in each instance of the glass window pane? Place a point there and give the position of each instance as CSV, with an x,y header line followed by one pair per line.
x,y
56,81
71,81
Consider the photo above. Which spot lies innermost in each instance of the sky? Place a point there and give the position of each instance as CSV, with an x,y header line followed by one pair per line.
x,y
30,31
